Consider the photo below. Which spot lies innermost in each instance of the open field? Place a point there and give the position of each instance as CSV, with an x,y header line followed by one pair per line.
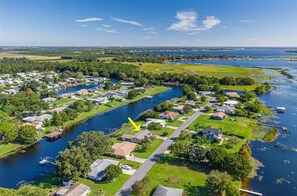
x,y
108,188
239,126
28,56
7,148
188,177
207,70
152,147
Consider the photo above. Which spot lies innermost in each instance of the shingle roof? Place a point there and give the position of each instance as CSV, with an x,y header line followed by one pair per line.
x,y
78,190
99,166
123,148
168,191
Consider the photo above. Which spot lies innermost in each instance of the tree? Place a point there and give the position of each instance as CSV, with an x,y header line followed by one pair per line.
x,y
74,162
95,142
154,126
237,165
187,109
29,190
8,132
220,184
112,172
27,135
7,192
149,114
57,119
132,94
216,157
141,187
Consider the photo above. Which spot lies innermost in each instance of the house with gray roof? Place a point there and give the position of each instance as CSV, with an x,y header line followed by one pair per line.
x,y
168,191
137,137
98,168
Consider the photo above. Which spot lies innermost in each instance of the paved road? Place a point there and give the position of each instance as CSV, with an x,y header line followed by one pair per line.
x,y
147,165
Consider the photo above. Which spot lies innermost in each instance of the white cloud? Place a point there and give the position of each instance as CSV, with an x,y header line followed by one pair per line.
x,y
127,21
107,30
106,25
89,20
83,25
246,21
210,22
187,22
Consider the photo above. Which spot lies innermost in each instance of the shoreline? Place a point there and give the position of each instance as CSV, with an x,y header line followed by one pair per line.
x,y
155,90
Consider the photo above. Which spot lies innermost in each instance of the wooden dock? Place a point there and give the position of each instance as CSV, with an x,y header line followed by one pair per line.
x,y
250,192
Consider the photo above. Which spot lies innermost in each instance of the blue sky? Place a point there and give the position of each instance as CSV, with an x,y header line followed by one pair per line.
x,y
148,22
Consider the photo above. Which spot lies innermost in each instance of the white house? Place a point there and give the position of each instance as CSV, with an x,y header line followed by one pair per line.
x,y
98,168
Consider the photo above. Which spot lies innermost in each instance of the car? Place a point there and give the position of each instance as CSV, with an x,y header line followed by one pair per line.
x,y
127,167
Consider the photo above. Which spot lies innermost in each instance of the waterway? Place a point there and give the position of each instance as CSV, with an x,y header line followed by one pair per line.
x,y
24,167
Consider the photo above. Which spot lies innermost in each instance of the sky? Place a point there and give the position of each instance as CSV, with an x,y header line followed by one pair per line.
x,y
270,23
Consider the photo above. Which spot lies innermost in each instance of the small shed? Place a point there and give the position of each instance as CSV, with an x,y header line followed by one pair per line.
x,y
53,136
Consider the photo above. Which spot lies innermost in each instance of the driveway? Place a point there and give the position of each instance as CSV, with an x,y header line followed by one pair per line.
x,y
129,172
135,159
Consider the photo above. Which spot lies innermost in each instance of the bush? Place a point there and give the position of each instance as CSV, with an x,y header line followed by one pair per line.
x,y
112,172
154,126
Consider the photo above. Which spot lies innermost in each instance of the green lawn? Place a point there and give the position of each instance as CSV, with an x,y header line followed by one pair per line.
x,y
109,188
153,146
175,123
190,178
62,101
240,88
207,70
161,131
7,148
241,126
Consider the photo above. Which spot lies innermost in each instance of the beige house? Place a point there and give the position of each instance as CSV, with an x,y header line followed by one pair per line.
x,y
123,149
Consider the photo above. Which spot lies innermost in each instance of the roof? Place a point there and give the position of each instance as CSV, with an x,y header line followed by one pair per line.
x,y
99,166
78,189
232,94
53,134
141,134
123,148
210,130
220,114
169,114
167,191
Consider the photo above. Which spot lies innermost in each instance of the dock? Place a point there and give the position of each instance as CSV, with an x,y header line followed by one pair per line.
x,y
250,192
47,160
276,126
53,136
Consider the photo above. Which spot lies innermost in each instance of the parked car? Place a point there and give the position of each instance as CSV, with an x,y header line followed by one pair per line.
x,y
127,167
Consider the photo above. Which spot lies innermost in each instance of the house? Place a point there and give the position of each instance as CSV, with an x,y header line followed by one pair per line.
x,y
99,100
57,110
150,120
37,126
11,91
232,94
38,119
231,103
49,99
169,115
123,149
98,168
206,93
219,115
191,102
213,100
67,182
137,137
77,189
127,83
64,96
179,108
82,92
168,191
212,133
226,109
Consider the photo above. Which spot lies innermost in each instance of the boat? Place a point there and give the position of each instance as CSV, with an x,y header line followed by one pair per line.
x,y
42,161
149,97
280,109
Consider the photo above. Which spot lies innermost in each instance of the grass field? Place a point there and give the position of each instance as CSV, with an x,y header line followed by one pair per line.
x,y
152,147
28,56
187,177
7,148
240,88
240,126
175,123
109,188
207,70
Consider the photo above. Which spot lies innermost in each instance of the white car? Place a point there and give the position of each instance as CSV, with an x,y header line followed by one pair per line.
x,y
127,167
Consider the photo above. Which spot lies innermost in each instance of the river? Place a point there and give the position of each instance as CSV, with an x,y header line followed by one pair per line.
x,y
24,167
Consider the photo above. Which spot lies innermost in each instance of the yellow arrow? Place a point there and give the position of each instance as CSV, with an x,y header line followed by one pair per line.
x,y
136,127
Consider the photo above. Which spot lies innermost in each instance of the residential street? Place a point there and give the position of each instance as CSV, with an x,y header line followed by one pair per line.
x,y
147,165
